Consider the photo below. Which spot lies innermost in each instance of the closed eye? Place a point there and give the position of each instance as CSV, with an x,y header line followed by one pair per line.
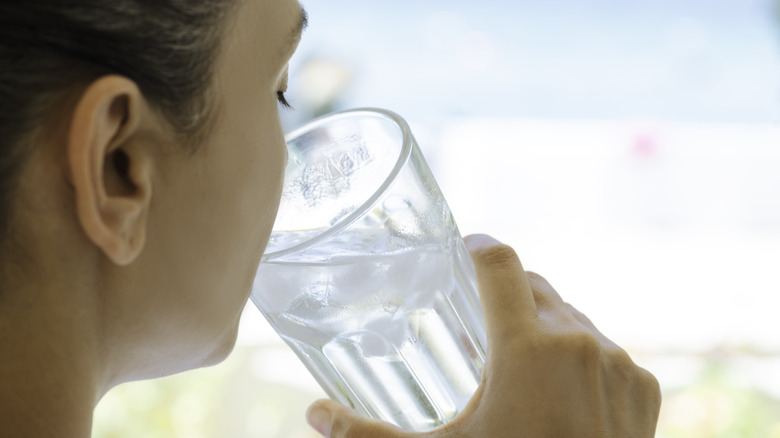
x,y
283,100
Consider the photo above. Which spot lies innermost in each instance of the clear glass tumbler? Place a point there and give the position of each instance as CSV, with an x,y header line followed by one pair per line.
x,y
366,276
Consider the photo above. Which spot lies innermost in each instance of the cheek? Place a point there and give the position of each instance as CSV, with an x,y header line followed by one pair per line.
x,y
262,190
267,195
231,204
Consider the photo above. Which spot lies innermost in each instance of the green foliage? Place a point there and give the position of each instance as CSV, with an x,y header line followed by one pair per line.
x,y
235,399
244,397
719,405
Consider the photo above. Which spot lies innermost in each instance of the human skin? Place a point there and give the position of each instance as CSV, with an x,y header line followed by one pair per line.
x,y
549,371
133,258
140,271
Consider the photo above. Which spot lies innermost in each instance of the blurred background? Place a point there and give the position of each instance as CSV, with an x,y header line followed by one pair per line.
x,y
629,151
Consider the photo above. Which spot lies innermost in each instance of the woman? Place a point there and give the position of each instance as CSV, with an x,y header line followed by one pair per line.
x,y
142,161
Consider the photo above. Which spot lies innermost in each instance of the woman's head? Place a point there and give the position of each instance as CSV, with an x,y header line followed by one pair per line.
x,y
142,161
50,47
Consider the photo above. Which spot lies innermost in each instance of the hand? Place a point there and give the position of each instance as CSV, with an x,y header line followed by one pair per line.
x,y
549,371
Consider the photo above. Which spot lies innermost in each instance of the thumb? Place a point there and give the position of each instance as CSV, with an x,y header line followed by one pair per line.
x,y
504,289
333,420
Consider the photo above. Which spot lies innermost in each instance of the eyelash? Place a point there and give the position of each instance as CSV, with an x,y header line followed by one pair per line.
x,y
283,100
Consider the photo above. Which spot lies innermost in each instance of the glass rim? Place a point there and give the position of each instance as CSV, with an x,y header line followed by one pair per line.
x,y
403,157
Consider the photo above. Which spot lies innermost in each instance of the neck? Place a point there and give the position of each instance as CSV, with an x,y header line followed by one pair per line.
x,y
49,376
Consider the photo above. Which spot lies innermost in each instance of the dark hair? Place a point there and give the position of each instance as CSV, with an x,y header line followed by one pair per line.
x,y
48,46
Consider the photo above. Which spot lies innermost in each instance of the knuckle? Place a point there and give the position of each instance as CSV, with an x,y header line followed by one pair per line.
x,y
646,384
650,386
539,284
497,255
535,278
585,345
342,428
575,343
621,361
574,311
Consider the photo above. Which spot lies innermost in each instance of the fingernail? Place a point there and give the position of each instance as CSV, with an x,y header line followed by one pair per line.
x,y
479,241
319,418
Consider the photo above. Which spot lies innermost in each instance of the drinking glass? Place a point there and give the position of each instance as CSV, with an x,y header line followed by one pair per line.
x,y
366,276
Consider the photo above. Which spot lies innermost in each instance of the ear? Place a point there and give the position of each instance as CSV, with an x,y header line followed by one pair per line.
x,y
110,166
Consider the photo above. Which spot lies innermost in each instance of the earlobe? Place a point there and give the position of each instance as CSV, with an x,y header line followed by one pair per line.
x,y
110,167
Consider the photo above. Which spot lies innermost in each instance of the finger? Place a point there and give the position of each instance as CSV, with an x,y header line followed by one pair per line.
x,y
544,294
588,324
333,420
504,290
549,301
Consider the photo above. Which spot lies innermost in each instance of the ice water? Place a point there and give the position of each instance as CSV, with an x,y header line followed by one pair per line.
x,y
398,336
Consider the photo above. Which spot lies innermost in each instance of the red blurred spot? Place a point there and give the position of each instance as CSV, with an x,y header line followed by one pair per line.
x,y
645,145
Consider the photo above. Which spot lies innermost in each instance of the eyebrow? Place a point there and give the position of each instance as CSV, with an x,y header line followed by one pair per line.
x,y
301,25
